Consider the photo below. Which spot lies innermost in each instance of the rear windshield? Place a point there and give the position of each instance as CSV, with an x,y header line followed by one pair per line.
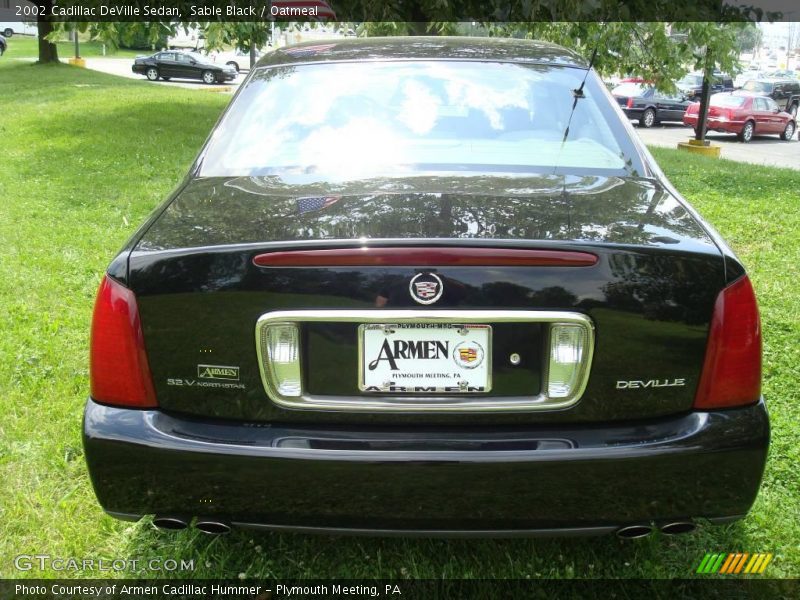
x,y
358,120
691,80
629,89
757,86
728,100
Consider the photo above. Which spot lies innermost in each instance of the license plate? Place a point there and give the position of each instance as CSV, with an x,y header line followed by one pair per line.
x,y
425,358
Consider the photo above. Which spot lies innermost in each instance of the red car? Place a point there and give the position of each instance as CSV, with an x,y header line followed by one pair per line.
x,y
744,114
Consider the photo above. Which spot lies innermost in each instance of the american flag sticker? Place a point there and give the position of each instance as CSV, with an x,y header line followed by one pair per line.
x,y
315,203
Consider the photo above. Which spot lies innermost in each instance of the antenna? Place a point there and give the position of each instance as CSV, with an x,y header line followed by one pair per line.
x,y
578,92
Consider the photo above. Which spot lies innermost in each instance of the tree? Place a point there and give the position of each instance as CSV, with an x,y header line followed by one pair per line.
x,y
48,51
246,36
748,38
126,34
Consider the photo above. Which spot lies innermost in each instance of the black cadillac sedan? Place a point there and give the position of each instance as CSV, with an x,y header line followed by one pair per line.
x,y
182,65
649,106
427,286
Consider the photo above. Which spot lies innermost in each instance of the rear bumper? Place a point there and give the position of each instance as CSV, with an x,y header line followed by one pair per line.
x,y
712,124
632,113
498,481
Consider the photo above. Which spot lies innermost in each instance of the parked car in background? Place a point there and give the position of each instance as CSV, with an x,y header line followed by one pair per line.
x,y
781,74
3,45
12,28
691,85
786,92
182,65
188,38
745,76
745,115
649,106
422,286
237,59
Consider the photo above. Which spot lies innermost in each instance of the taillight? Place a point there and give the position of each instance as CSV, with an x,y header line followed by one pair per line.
x,y
630,103
732,367
119,370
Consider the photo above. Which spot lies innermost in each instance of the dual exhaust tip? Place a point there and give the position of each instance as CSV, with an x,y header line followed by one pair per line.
x,y
632,532
175,523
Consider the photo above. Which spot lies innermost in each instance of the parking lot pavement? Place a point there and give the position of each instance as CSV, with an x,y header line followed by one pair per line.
x,y
762,150
122,68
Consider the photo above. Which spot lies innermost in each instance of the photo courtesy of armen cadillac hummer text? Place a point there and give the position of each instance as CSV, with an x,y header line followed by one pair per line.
x,y
458,298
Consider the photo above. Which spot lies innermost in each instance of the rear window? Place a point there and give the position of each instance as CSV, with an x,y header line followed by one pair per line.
x,y
762,87
629,89
728,101
691,80
359,120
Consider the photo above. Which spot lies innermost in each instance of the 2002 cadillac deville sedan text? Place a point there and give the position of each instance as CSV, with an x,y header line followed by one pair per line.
x,y
428,286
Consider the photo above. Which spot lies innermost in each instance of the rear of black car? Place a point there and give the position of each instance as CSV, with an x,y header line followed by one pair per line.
x,y
473,346
634,99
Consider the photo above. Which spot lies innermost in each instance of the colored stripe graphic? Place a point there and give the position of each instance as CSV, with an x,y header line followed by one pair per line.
x,y
728,562
740,564
765,563
734,563
717,564
704,563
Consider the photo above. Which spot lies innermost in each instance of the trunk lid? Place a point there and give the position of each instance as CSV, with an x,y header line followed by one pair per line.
x,y
650,295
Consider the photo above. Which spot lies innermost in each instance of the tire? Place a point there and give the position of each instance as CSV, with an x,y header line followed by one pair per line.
x,y
233,64
151,73
209,78
648,118
8,32
788,132
746,134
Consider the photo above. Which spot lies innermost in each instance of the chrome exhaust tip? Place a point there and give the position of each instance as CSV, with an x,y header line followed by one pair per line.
x,y
171,523
212,527
632,532
678,527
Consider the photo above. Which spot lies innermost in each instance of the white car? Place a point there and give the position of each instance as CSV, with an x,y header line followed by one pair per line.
x,y
238,59
189,38
11,28
741,78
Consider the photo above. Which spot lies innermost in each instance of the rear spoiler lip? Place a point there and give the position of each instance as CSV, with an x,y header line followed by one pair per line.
x,y
669,246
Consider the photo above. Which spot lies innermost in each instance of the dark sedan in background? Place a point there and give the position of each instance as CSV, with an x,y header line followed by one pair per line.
x,y
3,45
647,105
691,85
426,286
171,64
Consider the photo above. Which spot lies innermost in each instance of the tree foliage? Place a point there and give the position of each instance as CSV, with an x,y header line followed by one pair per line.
x,y
657,52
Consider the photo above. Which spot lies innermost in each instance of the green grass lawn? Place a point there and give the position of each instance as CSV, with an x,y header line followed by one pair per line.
x,y
86,156
24,46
